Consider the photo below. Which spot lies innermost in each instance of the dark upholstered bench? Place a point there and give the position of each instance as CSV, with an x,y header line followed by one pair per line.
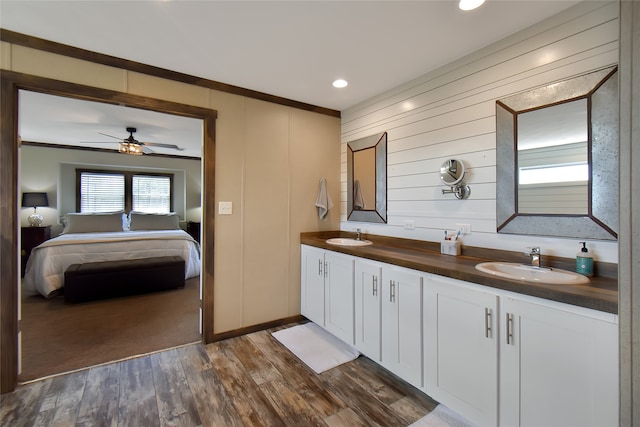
x,y
98,280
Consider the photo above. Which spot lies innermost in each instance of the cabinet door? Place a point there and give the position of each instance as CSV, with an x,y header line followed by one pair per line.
x,y
338,288
558,367
461,348
402,323
368,283
312,286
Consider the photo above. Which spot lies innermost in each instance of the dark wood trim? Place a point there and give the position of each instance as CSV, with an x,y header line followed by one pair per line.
x,y
99,58
90,93
8,236
12,82
208,227
260,327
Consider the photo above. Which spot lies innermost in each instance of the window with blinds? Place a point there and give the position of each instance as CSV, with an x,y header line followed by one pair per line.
x,y
108,191
151,194
101,192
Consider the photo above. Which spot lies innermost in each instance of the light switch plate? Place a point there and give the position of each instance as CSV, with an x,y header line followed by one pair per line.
x,y
225,208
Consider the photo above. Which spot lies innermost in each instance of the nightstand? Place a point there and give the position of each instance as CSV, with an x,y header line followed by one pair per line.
x,y
30,237
193,228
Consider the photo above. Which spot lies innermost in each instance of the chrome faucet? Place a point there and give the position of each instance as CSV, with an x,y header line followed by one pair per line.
x,y
358,234
534,254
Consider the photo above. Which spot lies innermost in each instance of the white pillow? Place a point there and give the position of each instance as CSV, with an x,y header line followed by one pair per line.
x,y
125,221
148,221
93,222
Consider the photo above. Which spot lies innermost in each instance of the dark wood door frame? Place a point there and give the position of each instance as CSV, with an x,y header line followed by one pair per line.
x,y
11,83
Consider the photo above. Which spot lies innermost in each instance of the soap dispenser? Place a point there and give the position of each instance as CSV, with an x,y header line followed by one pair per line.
x,y
584,261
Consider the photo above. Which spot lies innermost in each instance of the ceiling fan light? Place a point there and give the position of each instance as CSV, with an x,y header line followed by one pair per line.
x,y
135,149
130,148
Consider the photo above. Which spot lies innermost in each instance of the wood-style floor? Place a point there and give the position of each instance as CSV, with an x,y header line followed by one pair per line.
x,y
247,381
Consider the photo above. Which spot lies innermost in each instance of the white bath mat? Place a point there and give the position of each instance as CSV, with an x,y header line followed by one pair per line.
x,y
442,417
317,348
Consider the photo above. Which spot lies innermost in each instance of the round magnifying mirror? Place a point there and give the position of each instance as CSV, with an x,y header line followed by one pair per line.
x,y
452,172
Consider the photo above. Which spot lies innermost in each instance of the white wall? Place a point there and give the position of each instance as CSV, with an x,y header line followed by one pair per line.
x,y
52,170
450,113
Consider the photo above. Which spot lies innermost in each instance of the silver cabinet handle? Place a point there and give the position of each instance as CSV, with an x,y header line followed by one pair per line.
x,y
509,328
487,323
392,291
319,267
326,269
375,286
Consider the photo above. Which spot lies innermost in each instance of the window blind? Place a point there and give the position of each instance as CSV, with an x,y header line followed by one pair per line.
x,y
100,192
151,194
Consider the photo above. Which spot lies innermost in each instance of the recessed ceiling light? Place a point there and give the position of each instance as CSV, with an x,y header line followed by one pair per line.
x,y
340,83
470,4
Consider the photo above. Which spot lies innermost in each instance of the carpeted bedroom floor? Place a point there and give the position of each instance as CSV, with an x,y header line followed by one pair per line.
x,y
59,337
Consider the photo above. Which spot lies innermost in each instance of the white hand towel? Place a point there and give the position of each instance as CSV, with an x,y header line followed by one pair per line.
x,y
323,201
358,199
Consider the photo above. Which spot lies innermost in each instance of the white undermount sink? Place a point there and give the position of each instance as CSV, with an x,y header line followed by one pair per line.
x,y
512,270
344,241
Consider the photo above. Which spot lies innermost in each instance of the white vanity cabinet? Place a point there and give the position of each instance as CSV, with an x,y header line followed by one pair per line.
x,y
368,286
326,295
338,294
503,359
496,357
389,318
401,336
312,286
559,365
461,347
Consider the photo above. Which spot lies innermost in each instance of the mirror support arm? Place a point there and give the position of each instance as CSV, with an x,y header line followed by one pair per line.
x,y
460,191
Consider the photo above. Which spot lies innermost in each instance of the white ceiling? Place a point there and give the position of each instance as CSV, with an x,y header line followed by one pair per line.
x,y
291,49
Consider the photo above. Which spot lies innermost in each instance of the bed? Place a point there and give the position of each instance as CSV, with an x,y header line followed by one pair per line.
x,y
98,238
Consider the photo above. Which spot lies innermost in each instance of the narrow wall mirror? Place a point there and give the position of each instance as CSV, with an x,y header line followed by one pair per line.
x,y
557,159
367,179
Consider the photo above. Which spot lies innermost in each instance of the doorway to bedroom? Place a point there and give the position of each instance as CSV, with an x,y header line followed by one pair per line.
x,y
58,337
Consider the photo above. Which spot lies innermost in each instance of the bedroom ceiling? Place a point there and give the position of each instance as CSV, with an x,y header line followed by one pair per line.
x,y
66,121
291,49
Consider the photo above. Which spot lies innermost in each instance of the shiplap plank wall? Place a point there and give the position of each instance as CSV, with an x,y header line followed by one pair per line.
x,y
450,113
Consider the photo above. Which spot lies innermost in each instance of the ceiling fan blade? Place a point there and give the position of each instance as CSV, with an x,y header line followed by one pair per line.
x,y
132,140
111,136
154,144
97,142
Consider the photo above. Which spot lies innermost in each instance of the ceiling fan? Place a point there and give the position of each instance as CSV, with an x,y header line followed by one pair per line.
x,y
130,145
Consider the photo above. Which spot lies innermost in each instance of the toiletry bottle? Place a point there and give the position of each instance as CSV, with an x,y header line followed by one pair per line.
x,y
584,261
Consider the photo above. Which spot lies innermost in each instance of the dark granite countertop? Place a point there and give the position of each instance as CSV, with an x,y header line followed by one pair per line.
x,y
600,294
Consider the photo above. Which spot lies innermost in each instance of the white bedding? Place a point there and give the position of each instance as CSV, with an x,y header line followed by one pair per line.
x,y
47,262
